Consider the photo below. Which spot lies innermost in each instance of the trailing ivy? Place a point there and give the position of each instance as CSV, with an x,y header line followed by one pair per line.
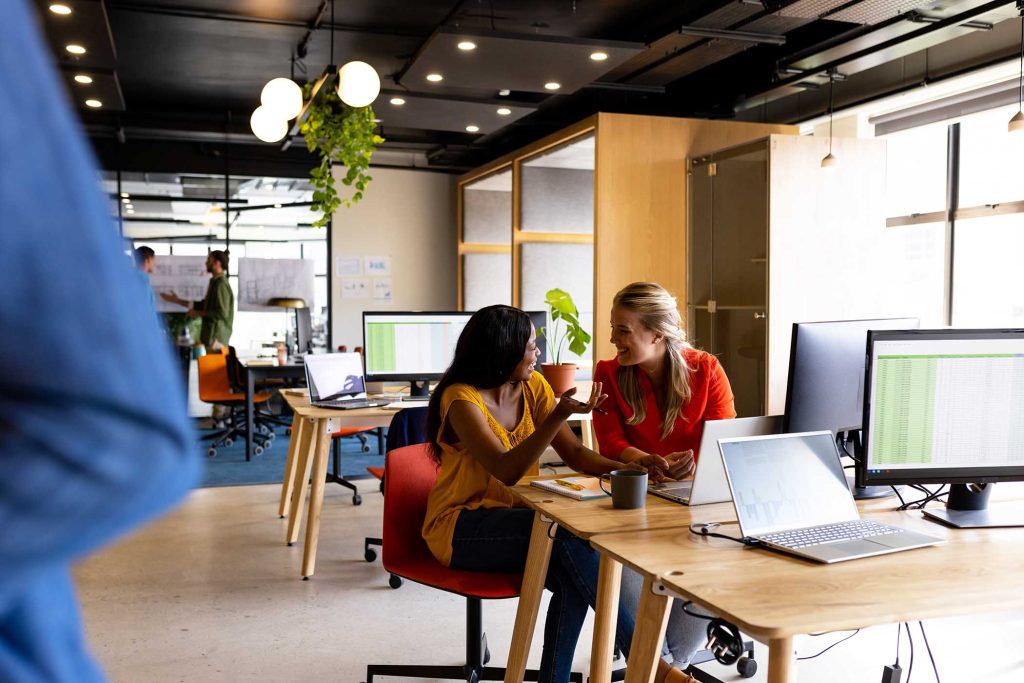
x,y
340,135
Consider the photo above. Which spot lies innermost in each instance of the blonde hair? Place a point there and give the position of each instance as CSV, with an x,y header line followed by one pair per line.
x,y
659,313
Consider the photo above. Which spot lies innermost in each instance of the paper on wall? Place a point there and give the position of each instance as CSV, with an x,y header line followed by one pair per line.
x,y
355,288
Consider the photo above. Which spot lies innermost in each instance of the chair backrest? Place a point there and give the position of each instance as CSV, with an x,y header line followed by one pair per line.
x,y
234,368
408,426
213,377
409,474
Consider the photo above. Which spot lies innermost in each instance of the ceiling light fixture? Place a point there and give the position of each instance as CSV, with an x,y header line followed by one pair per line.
x,y
466,45
552,85
125,195
504,111
599,56
83,79
124,199
504,92
267,126
75,49
282,97
277,206
829,160
58,8
1017,122
435,78
95,104
358,84
397,101
472,129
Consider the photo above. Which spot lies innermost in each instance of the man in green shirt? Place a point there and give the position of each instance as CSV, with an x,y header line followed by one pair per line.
x,y
218,308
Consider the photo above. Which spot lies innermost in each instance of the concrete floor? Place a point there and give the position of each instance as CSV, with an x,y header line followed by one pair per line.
x,y
211,593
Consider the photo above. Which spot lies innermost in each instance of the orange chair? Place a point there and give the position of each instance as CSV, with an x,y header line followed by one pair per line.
x,y
215,387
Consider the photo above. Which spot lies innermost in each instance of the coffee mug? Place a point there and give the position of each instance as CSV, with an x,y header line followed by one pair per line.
x,y
629,488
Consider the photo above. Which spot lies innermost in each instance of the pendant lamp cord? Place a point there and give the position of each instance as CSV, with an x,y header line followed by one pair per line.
x,y
831,84
332,32
1020,83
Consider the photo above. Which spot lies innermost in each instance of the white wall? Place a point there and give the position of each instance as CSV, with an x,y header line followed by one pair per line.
x,y
409,216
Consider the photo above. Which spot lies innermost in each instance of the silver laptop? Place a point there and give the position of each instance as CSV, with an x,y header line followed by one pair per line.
x,y
708,484
791,495
335,380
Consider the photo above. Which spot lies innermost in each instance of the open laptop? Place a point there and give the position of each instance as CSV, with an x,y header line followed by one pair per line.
x,y
708,484
335,380
791,495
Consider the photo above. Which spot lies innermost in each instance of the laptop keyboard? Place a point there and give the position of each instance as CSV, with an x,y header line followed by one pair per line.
x,y
829,533
350,403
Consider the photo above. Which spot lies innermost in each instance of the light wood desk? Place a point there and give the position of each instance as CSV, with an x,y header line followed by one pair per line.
x,y
308,452
587,519
774,597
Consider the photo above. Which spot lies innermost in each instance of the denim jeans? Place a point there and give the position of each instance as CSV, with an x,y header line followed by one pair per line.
x,y
497,540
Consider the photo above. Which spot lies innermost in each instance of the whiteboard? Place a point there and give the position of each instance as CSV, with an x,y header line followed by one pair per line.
x,y
186,276
260,279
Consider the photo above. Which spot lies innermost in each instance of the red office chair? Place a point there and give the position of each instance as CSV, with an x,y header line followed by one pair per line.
x,y
410,473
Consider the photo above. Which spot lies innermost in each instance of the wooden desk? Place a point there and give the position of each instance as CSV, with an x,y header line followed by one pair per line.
x,y
774,597
587,519
308,451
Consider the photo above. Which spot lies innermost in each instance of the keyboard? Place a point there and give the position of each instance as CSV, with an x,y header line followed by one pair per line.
x,y
828,533
350,403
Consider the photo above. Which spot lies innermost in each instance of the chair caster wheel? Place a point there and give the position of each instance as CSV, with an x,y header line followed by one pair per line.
x,y
228,442
395,581
366,449
270,435
746,667
257,450
212,453
370,555
357,499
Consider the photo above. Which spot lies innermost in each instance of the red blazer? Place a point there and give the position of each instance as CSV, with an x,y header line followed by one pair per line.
x,y
712,400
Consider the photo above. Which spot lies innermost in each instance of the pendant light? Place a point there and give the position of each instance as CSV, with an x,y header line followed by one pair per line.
x,y
283,97
1017,122
829,159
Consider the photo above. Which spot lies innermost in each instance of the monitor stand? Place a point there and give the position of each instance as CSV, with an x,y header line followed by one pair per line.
x,y
420,389
967,508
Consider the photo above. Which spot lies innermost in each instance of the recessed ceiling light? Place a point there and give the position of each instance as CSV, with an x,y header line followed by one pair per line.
x,y
83,79
472,129
504,111
125,195
435,78
75,49
397,101
599,56
552,85
57,8
466,45
95,104
277,206
124,199
130,211
505,92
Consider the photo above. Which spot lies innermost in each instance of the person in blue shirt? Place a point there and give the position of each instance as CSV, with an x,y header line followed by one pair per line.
x,y
94,439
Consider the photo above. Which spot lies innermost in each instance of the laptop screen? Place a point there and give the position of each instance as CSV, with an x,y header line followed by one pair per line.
x,y
785,482
334,375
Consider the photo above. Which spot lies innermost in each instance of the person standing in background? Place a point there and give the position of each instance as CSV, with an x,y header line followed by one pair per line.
x,y
145,261
218,308
94,439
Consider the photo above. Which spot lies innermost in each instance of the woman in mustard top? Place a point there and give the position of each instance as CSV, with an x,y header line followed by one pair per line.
x,y
492,416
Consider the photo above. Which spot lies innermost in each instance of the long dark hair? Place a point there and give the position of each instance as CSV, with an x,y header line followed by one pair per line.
x,y
490,347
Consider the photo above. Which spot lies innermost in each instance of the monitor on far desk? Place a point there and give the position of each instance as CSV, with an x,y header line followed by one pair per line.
x,y
947,407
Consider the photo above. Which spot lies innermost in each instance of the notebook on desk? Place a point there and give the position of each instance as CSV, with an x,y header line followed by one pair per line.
x,y
708,484
336,381
791,495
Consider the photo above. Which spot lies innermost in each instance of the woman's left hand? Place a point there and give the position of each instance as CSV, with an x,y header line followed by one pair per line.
x,y
680,464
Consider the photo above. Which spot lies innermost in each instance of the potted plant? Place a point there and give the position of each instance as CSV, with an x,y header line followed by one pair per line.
x,y
565,325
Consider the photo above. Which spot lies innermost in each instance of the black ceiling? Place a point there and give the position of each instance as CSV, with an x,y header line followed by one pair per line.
x,y
186,74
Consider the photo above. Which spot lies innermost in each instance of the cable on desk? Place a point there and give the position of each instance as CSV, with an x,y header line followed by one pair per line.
x,y
930,656
921,502
705,529
841,640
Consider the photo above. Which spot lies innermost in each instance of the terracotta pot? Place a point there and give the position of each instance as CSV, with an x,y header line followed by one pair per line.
x,y
561,377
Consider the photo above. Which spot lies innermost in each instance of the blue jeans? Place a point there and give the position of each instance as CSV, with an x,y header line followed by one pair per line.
x,y
497,540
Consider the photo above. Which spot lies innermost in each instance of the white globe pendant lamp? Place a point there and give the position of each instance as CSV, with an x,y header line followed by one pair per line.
x,y
267,125
282,97
358,84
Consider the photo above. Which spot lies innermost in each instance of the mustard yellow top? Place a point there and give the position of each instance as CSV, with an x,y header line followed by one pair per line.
x,y
462,483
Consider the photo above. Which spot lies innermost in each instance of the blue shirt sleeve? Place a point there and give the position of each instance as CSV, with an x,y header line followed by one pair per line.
x,y
94,438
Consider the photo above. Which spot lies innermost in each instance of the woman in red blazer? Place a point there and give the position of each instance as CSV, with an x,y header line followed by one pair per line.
x,y
660,391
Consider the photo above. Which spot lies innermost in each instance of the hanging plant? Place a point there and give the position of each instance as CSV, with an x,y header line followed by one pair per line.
x,y
340,134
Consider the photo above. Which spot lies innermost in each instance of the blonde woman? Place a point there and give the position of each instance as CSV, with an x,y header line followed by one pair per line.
x,y
660,391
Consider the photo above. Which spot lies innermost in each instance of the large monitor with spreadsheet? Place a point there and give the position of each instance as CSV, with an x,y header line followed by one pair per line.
x,y
416,346
944,406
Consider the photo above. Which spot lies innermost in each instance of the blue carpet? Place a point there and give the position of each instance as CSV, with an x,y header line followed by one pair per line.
x,y
229,468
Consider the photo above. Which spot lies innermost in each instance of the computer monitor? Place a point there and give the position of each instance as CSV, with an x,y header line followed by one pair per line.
x,y
418,346
946,406
826,382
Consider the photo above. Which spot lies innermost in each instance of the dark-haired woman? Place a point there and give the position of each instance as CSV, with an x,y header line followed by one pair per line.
x,y
491,418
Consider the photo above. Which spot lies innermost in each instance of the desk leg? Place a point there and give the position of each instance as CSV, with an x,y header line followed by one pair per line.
x,y
304,461
316,496
781,667
648,635
300,431
250,389
536,570
609,575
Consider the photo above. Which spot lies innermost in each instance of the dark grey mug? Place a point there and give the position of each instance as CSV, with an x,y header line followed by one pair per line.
x,y
629,488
